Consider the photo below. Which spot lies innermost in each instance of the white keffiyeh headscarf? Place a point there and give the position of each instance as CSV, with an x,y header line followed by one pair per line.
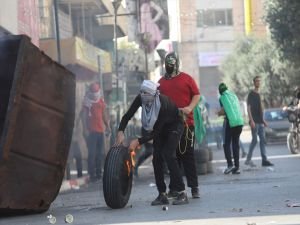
x,y
150,104
90,98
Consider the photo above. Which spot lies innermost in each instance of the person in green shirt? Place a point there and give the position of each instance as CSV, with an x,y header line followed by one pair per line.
x,y
230,108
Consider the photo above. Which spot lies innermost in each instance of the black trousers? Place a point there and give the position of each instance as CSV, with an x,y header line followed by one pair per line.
x,y
165,145
186,157
232,137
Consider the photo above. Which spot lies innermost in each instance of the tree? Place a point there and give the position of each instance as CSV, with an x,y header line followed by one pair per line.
x,y
252,57
283,18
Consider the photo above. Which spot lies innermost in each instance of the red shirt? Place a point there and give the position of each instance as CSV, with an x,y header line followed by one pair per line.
x,y
95,117
181,90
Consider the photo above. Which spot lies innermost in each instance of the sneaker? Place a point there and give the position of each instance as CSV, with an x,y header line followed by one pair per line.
x,y
236,170
250,163
228,170
161,199
195,192
172,194
244,154
267,163
181,199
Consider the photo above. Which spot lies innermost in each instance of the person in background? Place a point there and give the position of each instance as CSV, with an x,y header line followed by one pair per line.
x,y
75,152
183,90
242,148
296,99
95,122
164,125
230,108
257,124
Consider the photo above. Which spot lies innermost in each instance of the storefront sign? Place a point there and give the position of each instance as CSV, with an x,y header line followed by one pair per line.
x,y
207,59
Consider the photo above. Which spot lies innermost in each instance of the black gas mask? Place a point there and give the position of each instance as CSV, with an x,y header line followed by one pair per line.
x,y
171,65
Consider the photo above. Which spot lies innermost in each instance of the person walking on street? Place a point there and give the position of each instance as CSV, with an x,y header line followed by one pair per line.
x,y
183,90
242,148
95,122
75,151
257,124
164,125
230,107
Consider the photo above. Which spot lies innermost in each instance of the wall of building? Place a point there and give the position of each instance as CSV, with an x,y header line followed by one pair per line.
x,y
206,4
20,17
214,43
238,17
9,16
258,28
187,45
28,19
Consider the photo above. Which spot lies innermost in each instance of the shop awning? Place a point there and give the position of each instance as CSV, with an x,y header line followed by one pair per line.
x,y
75,51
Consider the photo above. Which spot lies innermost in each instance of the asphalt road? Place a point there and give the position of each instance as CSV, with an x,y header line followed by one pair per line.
x,y
256,196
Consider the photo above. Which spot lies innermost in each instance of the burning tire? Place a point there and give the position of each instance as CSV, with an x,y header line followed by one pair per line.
x,y
117,177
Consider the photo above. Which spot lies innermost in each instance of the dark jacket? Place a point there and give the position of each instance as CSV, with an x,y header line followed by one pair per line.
x,y
167,117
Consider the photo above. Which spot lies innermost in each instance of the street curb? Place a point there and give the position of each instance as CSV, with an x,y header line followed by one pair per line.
x,y
73,184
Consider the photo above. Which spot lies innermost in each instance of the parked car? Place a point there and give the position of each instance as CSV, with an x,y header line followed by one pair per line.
x,y
278,125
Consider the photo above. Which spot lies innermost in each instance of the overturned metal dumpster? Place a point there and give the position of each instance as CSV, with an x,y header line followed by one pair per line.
x,y
37,109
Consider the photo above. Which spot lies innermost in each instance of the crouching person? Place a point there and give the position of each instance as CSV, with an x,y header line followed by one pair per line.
x,y
162,119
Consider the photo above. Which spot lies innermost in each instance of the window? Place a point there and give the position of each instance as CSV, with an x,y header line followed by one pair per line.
x,y
208,18
220,16
212,18
229,19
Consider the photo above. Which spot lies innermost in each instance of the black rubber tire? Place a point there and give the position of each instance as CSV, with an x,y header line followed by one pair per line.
x,y
210,154
117,179
201,155
201,168
210,168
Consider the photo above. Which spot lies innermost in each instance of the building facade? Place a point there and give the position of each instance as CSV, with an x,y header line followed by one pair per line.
x,y
20,17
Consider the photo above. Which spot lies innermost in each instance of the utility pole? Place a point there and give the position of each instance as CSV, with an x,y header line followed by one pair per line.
x,y
116,5
57,31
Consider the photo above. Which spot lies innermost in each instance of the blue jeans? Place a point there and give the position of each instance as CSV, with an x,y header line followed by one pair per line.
x,y
95,156
260,131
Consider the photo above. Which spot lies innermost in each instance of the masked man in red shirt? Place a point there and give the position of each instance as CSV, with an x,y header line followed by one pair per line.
x,y
183,90
95,122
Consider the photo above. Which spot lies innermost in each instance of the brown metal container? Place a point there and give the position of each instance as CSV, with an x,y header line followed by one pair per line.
x,y
37,109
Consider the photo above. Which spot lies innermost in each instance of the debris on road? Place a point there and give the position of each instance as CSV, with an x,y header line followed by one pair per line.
x,y
69,218
270,169
152,185
292,205
52,219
